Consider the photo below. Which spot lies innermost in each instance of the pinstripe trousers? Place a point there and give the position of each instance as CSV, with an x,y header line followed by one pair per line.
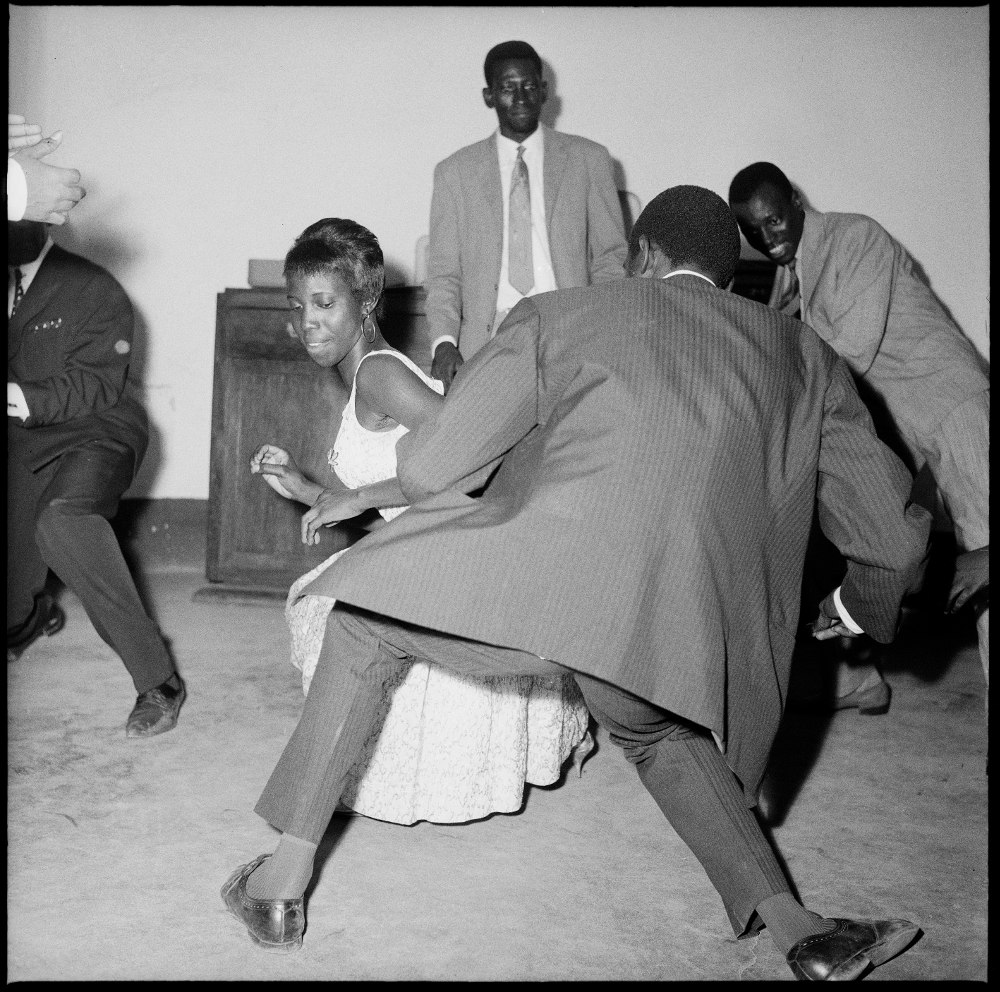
x,y
958,455
678,763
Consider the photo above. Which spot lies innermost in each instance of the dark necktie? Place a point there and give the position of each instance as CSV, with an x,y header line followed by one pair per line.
x,y
521,266
790,301
18,291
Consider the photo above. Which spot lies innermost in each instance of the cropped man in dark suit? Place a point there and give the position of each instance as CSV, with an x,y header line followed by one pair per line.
x,y
76,434
577,234
654,448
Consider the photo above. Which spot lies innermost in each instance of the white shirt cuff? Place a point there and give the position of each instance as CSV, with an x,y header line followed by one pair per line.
x,y
443,337
844,615
17,191
17,405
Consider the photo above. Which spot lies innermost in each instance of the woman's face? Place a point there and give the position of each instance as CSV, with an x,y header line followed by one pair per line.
x,y
326,315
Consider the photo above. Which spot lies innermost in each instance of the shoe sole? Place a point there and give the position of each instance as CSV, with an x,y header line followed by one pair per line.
x,y
856,966
293,945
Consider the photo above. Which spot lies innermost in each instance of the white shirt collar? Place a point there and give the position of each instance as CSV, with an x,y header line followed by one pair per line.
x,y
688,272
532,144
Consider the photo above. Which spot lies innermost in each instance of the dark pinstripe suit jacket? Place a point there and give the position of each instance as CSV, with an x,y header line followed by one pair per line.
x,y
661,446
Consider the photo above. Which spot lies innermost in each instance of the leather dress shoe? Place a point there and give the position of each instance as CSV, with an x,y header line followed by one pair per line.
x,y
847,951
47,618
155,711
871,701
273,924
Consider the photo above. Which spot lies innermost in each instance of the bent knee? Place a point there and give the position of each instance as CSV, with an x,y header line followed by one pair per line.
x,y
60,517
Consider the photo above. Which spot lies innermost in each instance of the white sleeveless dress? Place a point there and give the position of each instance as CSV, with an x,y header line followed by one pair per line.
x,y
451,748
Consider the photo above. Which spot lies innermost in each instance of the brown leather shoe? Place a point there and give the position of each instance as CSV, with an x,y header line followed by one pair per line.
x,y
847,951
274,924
155,711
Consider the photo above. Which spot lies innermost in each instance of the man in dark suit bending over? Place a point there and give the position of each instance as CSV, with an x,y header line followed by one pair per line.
x,y
658,446
76,434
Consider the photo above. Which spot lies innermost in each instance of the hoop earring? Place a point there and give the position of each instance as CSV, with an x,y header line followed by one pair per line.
x,y
365,325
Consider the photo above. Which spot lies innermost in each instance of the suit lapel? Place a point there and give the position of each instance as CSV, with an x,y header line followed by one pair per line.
x,y
487,174
35,300
553,170
812,231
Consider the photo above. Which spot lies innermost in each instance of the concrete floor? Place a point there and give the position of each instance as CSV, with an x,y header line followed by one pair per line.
x,y
117,848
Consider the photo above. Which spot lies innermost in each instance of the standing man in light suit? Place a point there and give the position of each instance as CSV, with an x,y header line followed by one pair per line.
x,y
479,264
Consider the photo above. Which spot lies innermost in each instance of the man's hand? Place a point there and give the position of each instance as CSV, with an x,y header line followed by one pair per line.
x,y
828,623
972,575
446,362
52,192
333,506
21,134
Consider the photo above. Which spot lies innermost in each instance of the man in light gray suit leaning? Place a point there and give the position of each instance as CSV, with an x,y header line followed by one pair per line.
x,y
652,451
577,234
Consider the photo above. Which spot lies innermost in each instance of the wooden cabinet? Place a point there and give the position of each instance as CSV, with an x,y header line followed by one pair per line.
x,y
266,388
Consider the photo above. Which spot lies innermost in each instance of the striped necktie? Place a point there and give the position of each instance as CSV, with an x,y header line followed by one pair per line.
x,y
18,291
790,301
521,266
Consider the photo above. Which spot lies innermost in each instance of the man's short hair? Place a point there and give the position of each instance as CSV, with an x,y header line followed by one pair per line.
x,y
505,51
691,226
747,181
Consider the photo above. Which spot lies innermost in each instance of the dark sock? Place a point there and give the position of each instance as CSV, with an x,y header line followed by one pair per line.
x,y
171,687
286,873
788,921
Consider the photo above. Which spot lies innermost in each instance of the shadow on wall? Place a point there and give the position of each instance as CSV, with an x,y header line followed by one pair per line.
x,y
553,103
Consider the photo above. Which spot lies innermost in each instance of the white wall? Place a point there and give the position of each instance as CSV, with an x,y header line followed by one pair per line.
x,y
211,135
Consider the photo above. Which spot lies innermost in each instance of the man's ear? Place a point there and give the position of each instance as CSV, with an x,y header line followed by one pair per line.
x,y
645,257
488,97
796,200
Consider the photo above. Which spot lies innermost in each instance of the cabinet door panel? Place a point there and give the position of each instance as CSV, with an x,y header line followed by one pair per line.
x,y
267,389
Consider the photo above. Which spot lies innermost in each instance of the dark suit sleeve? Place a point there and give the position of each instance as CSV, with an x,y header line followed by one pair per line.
x,y
97,356
864,509
605,224
492,405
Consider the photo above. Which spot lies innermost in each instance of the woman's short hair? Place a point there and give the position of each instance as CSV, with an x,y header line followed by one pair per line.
x,y
691,225
344,246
